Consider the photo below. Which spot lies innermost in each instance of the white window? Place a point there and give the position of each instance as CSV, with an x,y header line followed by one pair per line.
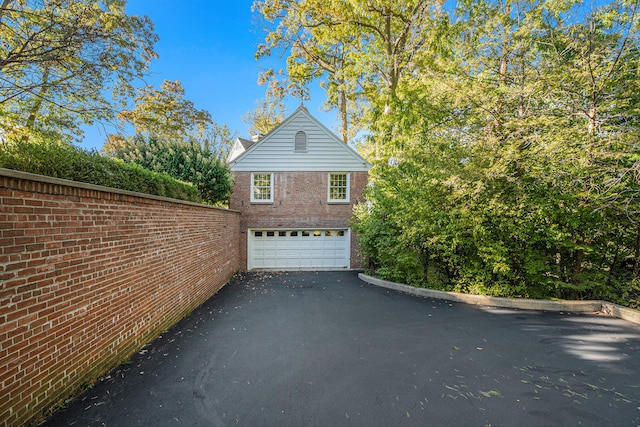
x,y
262,187
339,187
300,142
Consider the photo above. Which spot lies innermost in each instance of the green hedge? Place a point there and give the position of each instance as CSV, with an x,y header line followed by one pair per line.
x,y
68,162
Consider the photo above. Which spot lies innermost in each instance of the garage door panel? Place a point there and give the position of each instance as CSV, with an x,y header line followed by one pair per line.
x,y
297,249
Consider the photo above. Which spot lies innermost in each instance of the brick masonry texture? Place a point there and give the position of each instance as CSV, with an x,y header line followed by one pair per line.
x,y
299,201
88,276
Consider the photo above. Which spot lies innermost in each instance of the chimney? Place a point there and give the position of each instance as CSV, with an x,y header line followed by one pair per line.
x,y
257,137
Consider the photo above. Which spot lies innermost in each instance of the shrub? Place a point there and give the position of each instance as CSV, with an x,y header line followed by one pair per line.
x,y
184,160
60,160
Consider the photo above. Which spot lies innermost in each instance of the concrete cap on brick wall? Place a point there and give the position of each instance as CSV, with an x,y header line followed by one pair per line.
x,y
27,176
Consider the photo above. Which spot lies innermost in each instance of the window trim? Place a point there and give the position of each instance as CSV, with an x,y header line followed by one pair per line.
x,y
271,187
348,189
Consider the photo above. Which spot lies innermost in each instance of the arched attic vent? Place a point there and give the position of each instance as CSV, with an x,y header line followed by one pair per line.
x,y
300,142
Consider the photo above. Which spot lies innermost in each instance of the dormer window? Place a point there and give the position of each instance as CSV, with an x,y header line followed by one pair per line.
x,y
300,142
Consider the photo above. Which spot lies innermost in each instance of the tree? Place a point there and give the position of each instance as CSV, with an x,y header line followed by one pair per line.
x,y
166,114
360,50
310,57
515,170
269,111
174,137
64,63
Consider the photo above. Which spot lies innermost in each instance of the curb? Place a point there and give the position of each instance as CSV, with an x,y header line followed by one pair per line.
x,y
604,307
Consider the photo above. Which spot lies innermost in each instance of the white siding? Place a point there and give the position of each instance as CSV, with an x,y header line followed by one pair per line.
x,y
238,149
275,151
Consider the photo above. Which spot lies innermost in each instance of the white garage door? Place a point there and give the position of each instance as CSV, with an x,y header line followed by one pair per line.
x,y
298,249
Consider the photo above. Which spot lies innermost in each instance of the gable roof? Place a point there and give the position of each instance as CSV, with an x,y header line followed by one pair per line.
x,y
241,145
246,143
275,151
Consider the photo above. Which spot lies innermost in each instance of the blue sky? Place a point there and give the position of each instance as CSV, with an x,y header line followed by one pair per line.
x,y
209,46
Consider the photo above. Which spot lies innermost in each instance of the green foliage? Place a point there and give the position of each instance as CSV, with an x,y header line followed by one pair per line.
x,y
166,113
359,52
514,144
60,160
66,63
387,251
268,114
186,161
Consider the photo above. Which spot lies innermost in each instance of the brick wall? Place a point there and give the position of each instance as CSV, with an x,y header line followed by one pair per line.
x,y
299,201
89,275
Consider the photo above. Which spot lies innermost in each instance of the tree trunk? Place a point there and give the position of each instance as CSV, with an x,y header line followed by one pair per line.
x,y
592,117
3,7
37,104
344,118
502,69
612,266
393,73
636,261
577,265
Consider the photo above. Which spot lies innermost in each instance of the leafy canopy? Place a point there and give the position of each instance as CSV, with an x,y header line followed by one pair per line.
x,y
172,136
65,63
503,136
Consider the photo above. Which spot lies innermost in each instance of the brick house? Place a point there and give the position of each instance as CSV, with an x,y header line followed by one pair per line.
x,y
295,188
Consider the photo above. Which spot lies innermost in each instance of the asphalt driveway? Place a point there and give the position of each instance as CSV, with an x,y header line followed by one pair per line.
x,y
326,349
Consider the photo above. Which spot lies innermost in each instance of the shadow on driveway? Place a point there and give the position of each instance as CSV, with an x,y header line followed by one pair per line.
x,y
326,349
